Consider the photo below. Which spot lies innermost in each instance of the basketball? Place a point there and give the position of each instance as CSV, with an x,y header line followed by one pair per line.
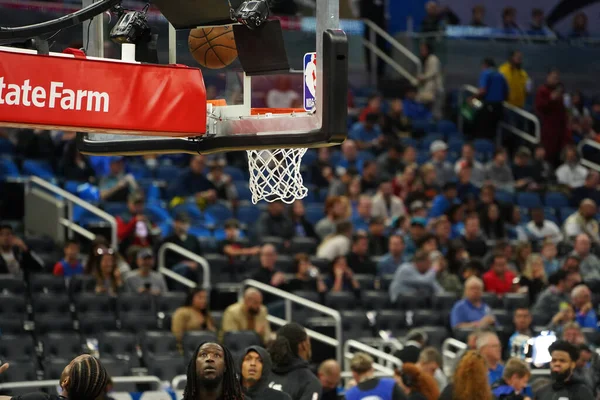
x,y
214,47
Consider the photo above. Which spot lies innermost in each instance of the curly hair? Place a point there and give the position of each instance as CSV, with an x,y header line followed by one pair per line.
x,y
232,389
420,382
470,380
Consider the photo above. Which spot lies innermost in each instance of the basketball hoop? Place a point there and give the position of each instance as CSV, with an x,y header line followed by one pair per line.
x,y
275,175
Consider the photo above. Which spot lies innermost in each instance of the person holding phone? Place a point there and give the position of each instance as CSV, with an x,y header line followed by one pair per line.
x,y
144,279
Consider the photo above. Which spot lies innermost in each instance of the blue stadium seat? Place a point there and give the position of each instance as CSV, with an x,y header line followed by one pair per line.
x,y
139,170
314,213
446,127
157,213
484,147
565,212
455,145
556,200
8,169
408,141
220,211
423,125
198,217
235,173
504,197
529,200
39,168
167,173
116,209
248,213
243,190
6,146
199,231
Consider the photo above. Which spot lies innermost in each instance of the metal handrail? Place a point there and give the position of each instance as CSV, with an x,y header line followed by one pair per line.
x,y
372,351
292,298
372,43
449,356
583,161
391,62
188,254
535,138
71,198
54,382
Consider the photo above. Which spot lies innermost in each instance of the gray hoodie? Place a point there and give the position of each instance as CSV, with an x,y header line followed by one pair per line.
x,y
260,390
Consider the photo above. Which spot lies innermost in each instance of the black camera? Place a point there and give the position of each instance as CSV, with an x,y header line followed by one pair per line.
x,y
131,27
252,13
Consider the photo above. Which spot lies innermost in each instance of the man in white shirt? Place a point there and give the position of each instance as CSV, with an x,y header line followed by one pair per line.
x,y
583,221
571,173
540,228
338,244
282,96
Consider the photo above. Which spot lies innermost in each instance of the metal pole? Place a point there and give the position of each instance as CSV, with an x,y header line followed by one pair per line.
x,y
373,56
288,310
172,45
93,33
328,17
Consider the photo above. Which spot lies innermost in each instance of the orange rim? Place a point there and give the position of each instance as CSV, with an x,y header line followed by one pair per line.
x,y
259,111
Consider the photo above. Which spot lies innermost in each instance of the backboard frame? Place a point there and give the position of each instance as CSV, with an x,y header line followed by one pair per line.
x,y
236,128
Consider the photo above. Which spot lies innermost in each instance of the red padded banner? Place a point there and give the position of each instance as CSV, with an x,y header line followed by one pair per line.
x,y
101,96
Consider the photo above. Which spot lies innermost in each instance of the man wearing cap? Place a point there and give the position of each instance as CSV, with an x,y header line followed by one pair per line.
x,y
180,237
116,185
565,385
443,169
416,233
134,230
144,279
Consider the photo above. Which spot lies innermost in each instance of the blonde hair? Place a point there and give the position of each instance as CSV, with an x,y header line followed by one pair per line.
x,y
515,366
528,270
361,363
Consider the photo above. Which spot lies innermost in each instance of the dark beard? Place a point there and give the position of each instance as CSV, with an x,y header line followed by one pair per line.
x,y
210,384
559,378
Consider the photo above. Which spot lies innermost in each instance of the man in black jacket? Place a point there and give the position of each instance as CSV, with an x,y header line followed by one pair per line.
x,y
290,353
255,369
564,385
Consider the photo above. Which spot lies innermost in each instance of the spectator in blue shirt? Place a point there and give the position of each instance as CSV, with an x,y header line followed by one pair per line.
x,y
349,158
442,202
490,348
389,263
471,311
493,91
413,109
367,134
585,316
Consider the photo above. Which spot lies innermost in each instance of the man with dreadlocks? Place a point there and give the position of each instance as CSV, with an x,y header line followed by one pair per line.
x,y
83,379
291,352
211,375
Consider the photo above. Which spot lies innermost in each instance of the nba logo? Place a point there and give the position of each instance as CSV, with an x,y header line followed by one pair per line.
x,y
310,81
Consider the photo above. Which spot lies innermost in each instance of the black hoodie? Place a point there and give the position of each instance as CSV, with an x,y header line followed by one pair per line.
x,y
297,380
573,389
261,390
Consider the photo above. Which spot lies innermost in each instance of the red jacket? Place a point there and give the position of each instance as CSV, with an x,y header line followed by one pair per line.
x,y
499,285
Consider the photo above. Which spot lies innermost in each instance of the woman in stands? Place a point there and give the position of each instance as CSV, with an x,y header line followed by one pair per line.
x,y
194,315
302,226
470,381
107,274
99,245
417,384
534,277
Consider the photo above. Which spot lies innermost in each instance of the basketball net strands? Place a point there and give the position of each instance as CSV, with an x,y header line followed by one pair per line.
x,y
122,107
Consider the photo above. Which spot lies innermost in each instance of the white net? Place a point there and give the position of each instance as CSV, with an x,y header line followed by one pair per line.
x,y
275,175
